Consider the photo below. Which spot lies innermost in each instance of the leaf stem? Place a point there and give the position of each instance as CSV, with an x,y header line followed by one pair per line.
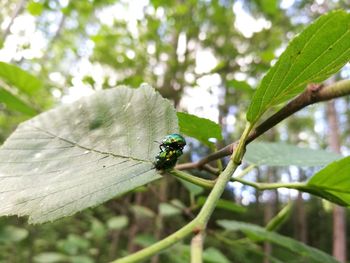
x,y
280,218
245,171
260,186
197,248
192,179
222,180
268,186
160,245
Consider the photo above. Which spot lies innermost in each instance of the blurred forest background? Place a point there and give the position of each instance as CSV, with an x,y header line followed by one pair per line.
x,y
207,56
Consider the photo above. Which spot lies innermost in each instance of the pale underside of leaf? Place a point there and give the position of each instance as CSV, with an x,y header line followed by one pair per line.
x,y
80,155
282,154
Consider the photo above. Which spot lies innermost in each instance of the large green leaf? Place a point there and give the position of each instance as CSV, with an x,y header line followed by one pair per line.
x,y
15,103
332,182
81,155
19,78
256,232
281,154
317,53
200,128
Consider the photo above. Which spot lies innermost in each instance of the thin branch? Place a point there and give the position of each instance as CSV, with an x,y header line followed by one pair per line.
x,y
209,184
18,10
206,167
280,218
314,93
55,37
197,248
270,186
193,179
245,171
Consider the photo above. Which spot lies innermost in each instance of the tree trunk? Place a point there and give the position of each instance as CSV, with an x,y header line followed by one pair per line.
x,y
269,211
18,10
301,222
339,223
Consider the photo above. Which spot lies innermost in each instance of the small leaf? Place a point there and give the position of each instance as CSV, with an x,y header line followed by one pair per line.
x,y
213,255
293,245
142,211
145,240
281,154
117,222
333,182
81,259
182,252
317,53
35,8
50,257
15,103
73,244
12,234
240,85
224,204
167,210
200,128
98,229
19,78
192,188
80,155
269,7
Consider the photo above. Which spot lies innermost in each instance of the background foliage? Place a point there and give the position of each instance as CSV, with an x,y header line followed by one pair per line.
x,y
185,49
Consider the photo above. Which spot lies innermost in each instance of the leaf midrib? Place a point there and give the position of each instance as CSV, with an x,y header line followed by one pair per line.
x,y
89,149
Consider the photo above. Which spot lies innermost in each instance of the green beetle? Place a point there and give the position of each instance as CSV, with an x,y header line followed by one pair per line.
x,y
170,149
167,159
173,141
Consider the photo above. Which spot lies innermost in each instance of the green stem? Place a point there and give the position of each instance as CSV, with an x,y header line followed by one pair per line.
x,y
192,179
222,180
245,171
198,224
280,218
267,186
160,245
215,194
197,248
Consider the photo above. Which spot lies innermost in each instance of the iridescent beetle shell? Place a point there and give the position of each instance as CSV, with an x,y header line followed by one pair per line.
x,y
170,149
166,159
174,141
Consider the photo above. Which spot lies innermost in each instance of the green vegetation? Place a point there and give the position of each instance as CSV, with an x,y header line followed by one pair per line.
x,y
93,180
